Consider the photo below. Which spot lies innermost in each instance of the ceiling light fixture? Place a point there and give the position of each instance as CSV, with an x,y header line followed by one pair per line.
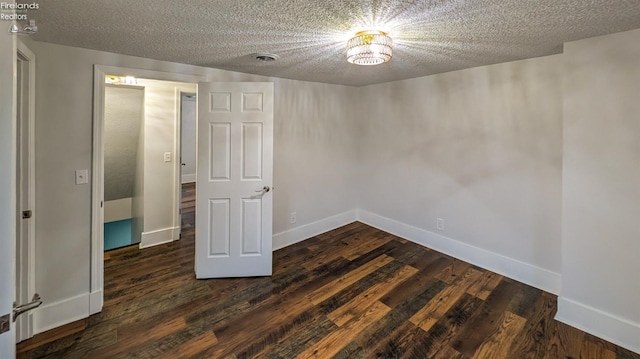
x,y
371,47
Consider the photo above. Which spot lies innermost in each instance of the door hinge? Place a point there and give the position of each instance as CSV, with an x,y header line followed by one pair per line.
x,y
27,214
5,323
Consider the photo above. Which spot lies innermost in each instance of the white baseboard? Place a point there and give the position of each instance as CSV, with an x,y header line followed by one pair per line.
x,y
188,178
117,210
53,315
95,302
526,273
619,331
298,234
153,238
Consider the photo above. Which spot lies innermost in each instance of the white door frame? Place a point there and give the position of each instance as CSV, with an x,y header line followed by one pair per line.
x,y
96,298
177,150
7,189
26,284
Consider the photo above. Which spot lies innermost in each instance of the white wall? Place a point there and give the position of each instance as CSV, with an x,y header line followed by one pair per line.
x,y
7,186
601,188
312,153
188,141
480,148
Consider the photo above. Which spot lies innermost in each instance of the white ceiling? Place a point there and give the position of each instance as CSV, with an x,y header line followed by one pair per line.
x,y
430,36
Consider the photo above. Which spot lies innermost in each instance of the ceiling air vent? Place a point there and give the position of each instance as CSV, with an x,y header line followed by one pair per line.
x,y
264,57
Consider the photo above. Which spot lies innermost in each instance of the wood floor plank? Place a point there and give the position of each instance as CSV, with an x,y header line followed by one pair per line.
x,y
193,347
533,340
485,320
354,307
566,342
486,285
373,284
426,317
339,284
498,344
332,343
378,333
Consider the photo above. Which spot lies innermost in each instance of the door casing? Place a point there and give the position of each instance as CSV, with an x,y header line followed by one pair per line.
x,y
25,188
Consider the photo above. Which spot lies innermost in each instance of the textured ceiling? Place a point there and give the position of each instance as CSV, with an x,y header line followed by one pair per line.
x,y
310,35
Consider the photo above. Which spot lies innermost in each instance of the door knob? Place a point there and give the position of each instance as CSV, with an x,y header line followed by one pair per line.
x,y
264,189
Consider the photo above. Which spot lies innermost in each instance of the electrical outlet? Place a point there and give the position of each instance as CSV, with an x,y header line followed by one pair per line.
x,y
292,218
440,224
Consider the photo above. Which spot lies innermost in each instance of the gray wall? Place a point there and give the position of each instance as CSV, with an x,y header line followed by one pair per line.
x,y
123,116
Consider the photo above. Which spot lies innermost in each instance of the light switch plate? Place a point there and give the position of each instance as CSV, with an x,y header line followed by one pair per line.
x,y
82,176
167,156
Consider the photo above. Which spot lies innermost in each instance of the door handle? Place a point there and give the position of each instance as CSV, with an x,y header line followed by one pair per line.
x,y
33,304
264,190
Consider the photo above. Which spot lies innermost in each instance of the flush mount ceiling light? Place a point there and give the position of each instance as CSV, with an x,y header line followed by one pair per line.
x,y
371,47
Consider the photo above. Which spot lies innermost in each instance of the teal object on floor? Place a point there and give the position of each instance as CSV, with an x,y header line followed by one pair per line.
x,y
117,234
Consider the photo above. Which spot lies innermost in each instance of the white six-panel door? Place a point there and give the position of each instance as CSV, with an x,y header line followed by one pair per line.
x,y
234,179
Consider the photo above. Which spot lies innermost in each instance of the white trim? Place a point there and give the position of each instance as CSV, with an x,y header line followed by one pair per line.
x,y
117,210
177,158
299,234
97,181
95,302
97,184
524,272
188,178
161,236
619,331
53,315
30,57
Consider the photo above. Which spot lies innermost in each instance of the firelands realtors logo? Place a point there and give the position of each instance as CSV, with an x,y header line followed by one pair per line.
x,y
15,11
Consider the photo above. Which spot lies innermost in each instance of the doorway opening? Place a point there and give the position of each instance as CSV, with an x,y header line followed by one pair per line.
x,y
136,168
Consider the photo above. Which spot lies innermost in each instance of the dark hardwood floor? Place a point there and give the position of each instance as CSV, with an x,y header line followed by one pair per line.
x,y
355,292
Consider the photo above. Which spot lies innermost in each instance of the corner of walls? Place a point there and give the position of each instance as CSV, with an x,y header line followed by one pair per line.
x,y
480,148
617,330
